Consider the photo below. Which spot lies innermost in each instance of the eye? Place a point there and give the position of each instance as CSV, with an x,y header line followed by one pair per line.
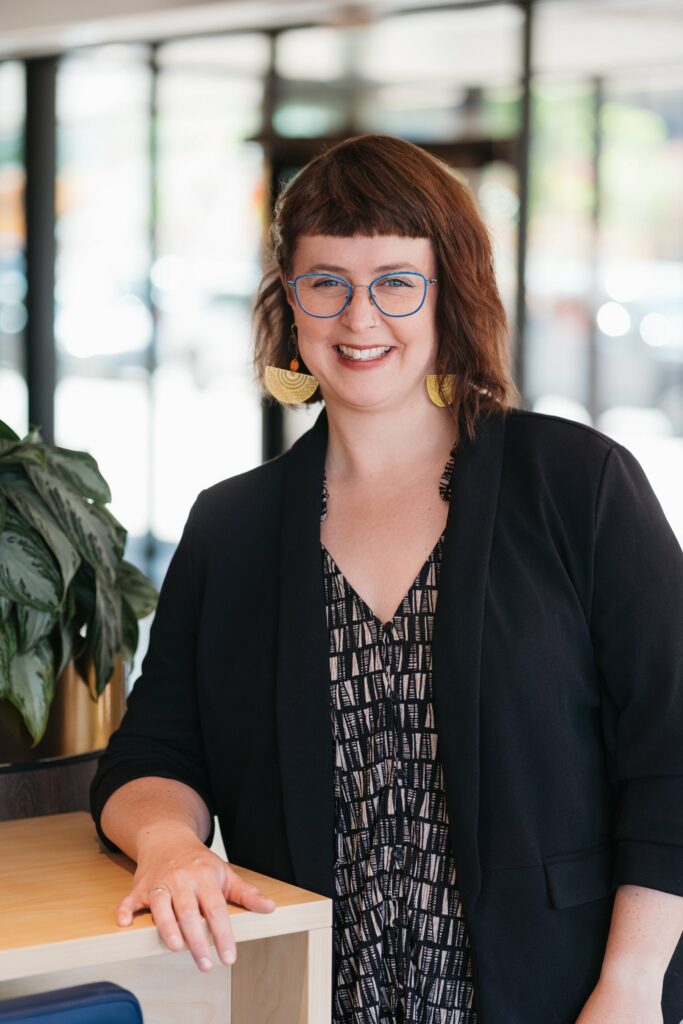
x,y
326,282
395,281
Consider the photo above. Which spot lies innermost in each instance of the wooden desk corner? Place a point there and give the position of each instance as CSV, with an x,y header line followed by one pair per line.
x,y
59,888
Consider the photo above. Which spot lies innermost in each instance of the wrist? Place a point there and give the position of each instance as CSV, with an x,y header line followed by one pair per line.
x,y
641,976
163,832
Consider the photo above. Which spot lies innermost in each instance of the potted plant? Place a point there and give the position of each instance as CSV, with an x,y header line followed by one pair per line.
x,y
69,610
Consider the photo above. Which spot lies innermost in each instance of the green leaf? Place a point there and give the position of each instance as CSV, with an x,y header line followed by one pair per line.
x,y
8,648
79,521
32,507
33,625
32,687
65,641
6,606
117,532
131,633
6,433
105,632
28,571
81,471
137,590
7,447
3,511
23,452
9,474
10,441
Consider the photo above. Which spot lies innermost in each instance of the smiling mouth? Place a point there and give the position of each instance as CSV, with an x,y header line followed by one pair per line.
x,y
362,355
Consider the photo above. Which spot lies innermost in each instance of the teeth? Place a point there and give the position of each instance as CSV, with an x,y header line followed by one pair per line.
x,y
362,354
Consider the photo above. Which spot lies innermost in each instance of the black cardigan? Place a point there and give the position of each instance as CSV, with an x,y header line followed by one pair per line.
x,y
557,680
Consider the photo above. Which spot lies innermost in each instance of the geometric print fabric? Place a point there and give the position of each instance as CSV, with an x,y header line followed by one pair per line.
x,y
401,946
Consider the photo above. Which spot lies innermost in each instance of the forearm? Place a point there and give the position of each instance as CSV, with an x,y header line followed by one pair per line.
x,y
148,807
645,929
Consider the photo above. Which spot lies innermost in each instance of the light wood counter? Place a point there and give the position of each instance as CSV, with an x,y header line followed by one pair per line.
x,y
59,888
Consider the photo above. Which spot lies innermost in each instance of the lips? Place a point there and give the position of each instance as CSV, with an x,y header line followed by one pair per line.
x,y
371,354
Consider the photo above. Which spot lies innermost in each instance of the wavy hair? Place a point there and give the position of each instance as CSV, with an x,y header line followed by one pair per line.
x,y
381,185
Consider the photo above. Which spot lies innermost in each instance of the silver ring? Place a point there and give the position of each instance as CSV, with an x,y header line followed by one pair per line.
x,y
159,888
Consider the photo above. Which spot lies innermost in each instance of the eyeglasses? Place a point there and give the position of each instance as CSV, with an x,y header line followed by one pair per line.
x,y
399,294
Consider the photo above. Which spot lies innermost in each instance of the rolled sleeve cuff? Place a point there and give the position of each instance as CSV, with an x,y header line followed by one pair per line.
x,y
653,865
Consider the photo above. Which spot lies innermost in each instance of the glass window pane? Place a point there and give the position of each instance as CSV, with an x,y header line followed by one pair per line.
x,y
639,290
468,47
584,39
211,211
560,246
605,329
103,325
423,76
239,54
312,54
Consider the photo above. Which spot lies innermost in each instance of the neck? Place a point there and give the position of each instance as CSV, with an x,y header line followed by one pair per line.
x,y
368,444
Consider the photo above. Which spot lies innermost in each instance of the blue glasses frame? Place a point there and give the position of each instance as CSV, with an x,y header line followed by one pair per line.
x,y
350,288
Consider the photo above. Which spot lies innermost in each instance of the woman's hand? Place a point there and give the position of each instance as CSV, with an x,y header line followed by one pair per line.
x,y
622,1001
177,876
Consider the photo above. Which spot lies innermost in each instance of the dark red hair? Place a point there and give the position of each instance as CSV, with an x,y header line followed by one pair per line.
x,y
382,185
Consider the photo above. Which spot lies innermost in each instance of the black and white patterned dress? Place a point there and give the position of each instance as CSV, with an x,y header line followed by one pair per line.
x,y
401,949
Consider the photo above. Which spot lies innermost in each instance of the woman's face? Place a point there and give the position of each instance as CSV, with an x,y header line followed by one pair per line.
x,y
390,379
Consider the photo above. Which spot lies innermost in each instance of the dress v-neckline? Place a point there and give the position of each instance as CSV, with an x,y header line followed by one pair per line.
x,y
445,485
364,604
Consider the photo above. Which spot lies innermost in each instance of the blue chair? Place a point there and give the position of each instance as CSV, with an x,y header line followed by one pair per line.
x,y
101,1002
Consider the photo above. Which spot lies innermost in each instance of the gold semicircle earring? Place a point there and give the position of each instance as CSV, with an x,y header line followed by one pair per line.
x,y
447,382
290,386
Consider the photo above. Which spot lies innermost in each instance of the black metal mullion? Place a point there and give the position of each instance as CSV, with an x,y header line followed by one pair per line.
x,y
40,161
272,415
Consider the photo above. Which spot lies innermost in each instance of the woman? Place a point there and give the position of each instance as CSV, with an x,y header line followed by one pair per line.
x,y
489,785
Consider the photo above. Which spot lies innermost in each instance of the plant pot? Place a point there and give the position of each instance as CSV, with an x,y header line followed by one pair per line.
x,y
54,776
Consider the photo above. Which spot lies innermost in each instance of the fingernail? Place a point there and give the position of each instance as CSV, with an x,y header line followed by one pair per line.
x,y
205,963
175,943
229,956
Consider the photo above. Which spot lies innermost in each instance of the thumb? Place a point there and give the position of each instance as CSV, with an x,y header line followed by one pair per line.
x,y
127,907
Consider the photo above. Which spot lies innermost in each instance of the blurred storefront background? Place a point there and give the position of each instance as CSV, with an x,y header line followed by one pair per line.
x,y
167,155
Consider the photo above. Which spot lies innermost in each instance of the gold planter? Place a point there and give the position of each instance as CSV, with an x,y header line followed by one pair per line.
x,y
54,776
77,724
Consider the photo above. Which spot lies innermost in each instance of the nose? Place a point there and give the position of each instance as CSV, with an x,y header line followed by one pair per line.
x,y
361,311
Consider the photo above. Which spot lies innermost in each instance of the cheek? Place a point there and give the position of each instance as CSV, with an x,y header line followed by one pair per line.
x,y
313,337
416,333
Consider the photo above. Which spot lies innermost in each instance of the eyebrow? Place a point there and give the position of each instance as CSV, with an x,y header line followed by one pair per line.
x,y
343,270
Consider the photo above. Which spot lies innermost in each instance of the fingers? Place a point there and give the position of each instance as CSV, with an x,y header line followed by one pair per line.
x,y
177,917
217,916
127,907
188,901
194,930
160,903
246,895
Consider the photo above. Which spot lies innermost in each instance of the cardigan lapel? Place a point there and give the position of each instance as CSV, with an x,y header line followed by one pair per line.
x,y
457,639
306,748
304,726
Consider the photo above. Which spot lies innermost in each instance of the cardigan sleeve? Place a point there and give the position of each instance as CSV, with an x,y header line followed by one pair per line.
x,y
637,631
160,733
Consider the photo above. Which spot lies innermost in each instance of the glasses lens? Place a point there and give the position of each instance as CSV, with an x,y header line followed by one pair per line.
x,y
322,295
399,294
